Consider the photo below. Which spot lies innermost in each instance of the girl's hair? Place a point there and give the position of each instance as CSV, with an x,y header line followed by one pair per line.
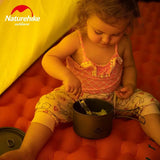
x,y
109,11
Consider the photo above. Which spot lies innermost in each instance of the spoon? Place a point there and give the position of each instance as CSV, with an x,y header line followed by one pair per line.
x,y
85,107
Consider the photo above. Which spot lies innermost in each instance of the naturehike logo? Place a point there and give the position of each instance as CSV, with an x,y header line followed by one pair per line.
x,y
22,20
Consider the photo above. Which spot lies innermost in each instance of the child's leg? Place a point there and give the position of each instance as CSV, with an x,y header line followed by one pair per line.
x,y
51,109
35,138
152,126
148,108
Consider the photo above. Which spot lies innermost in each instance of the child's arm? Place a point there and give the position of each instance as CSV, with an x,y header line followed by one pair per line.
x,y
53,63
129,71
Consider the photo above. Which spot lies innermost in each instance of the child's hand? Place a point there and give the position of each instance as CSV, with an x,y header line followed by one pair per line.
x,y
125,92
73,85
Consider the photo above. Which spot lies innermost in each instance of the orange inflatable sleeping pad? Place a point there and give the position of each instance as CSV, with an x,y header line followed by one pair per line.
x,y
127,141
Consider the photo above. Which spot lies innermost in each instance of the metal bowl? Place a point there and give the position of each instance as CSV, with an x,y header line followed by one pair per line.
x,y
93,126
10,139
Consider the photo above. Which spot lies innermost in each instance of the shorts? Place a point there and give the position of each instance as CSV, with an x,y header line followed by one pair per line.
x,y
57,106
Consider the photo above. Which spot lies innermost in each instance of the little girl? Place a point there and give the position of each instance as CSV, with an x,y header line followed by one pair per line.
x,y
99,63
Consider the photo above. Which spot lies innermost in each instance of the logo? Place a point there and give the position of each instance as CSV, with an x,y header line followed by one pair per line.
x,y
22,20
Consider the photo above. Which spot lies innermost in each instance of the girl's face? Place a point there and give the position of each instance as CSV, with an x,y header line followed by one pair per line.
x,y
105,34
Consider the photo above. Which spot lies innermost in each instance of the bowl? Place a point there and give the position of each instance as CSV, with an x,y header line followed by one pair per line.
x,y
93,126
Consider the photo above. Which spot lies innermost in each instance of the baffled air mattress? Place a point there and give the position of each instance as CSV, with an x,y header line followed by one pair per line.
x,y
127,141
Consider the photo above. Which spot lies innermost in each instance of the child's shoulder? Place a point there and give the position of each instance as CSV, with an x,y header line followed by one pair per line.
x,y
72,38
69,42
124,43
125,40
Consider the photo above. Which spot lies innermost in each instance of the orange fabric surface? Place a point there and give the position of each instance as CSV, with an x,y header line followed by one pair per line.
x,y
127,141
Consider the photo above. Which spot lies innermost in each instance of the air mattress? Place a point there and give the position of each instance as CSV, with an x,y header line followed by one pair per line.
x,y
127,141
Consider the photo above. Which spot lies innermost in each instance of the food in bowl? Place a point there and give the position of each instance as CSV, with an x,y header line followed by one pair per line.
x,y
100,113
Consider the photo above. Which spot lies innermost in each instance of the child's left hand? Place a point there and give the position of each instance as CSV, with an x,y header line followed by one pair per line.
x,y
125,92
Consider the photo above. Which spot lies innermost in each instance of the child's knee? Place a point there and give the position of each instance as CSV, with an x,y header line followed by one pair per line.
x,y
53,108
150,109
45,119
147,103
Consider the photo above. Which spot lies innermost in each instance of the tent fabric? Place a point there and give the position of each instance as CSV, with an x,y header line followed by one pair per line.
x,y
28,29
127,140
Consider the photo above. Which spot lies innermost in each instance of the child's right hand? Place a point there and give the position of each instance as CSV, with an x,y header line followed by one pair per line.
x,y
72,85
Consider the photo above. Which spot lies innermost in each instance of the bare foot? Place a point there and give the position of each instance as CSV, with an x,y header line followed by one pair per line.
x,y
16,155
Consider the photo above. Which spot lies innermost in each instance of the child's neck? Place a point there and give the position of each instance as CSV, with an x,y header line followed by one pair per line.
x,y
98,54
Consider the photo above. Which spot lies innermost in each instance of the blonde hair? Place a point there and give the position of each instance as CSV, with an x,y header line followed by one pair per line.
x,y
109,11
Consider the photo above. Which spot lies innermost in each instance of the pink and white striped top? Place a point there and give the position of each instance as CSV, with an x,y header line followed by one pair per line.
x,y
96,78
